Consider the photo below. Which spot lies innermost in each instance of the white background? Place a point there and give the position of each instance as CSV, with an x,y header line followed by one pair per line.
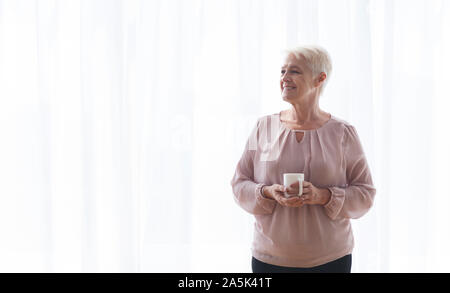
x,y
122,123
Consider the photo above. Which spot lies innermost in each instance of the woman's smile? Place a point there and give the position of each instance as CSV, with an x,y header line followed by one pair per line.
x,y
289,87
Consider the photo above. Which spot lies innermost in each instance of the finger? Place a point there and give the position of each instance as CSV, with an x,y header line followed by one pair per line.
x,y
279,197
285,203
292,199
292,190
306,189
308,202
295,184
296,199
306,196
280,188
309,198
298,203
279,193
293,203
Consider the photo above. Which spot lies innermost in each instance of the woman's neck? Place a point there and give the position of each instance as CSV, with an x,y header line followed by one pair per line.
x,y
306,115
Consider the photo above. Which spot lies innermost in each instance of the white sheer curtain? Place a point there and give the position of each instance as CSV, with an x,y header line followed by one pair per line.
x,y
122,123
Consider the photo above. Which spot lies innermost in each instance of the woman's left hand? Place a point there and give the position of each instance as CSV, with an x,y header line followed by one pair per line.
x,y
311,194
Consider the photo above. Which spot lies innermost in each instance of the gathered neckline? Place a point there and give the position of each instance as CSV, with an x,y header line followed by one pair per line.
x,y
302,130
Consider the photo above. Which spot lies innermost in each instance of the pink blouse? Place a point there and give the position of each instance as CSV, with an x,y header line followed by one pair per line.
x,y
330,157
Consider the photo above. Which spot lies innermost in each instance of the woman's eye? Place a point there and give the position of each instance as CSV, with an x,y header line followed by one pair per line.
x,y
292,71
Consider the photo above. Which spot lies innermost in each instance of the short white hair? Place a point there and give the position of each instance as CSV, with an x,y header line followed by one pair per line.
x,y
317,59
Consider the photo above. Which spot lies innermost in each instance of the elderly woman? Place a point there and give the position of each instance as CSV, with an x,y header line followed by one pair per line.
x,y
311,232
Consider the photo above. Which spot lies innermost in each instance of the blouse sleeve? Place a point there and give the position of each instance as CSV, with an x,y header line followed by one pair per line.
x,y
357,197
247,192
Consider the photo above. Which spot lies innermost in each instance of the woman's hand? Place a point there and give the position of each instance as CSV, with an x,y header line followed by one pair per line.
x,y
311,194
276,192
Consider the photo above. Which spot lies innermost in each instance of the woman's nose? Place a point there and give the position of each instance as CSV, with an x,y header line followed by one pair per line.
x,y
285,77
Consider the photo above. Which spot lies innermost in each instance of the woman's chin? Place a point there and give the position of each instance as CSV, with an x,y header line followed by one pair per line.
x,y
287,98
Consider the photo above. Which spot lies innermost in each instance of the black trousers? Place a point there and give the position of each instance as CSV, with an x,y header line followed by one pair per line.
x,y
341,265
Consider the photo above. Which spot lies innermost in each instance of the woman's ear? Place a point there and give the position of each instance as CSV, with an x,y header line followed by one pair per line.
x,y
321,78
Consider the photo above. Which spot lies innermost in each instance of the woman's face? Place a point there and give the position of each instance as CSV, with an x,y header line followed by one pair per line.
x,y
296,80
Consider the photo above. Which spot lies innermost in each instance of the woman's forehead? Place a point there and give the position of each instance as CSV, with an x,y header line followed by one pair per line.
x,y
292,61
291,66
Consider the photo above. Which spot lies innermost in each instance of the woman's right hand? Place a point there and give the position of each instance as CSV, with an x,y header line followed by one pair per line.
x,y
276,192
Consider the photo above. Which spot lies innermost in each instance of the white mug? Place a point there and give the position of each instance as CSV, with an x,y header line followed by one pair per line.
x,y
290,178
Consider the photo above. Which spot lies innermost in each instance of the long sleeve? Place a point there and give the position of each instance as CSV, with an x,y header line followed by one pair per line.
x,y
355,199
247,192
